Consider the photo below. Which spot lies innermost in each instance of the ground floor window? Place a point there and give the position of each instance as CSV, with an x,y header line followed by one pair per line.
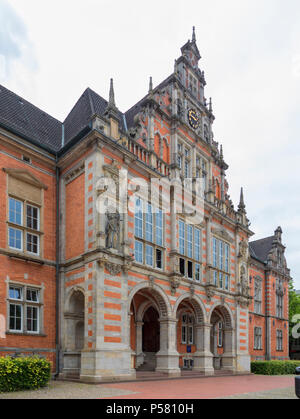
x,y
187,329
279,340
257,338
24,309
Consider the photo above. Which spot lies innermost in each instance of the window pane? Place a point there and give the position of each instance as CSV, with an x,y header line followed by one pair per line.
x,y
15,317
32,319
32,295
149,223
197,273
214,252
15,238
190,270
149,255
32,218
32,243
159,227
197,244
139,252
15,211
159,259
181,237
138,221
15,293
190,241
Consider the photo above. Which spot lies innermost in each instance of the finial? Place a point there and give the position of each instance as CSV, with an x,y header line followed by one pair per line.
x,y
150,85
210,105
221,152
194,35
242,205
112,94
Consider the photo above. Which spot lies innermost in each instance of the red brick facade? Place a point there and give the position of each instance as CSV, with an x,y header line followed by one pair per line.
x,y
97,298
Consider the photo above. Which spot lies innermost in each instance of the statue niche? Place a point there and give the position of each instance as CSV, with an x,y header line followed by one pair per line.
x,y
112,230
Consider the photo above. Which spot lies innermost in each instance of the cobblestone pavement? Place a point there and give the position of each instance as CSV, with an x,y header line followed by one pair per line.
x,y
243,387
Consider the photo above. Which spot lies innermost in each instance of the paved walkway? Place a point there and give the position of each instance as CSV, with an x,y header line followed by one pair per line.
x,y
243,387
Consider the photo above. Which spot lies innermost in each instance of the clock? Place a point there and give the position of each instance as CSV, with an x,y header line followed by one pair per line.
x,y
193,119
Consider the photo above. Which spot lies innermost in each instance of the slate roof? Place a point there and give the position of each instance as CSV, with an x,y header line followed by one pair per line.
x,y
260,249
24,119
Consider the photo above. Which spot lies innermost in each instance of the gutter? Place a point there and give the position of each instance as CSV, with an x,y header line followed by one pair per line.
x,y
57,340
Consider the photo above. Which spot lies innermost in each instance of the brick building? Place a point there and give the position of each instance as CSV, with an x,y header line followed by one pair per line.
x,y
105,292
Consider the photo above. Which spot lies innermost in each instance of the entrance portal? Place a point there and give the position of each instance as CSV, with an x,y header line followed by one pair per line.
x,y
151,331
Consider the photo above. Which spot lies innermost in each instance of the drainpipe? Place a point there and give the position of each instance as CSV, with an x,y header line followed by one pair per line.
x,y
57,273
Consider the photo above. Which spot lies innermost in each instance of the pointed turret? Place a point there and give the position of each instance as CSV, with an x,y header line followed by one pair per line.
x,y
242,206
112,102
150,85
194,35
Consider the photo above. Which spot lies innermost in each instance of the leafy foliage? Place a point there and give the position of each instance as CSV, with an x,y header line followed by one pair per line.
x,y
274,367
294,305
23,373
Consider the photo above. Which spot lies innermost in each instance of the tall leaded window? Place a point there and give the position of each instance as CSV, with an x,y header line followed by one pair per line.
x,y
279,305
279,340
257,338
187,329
258,296
23,229
149,234
221,265
181,237
190,249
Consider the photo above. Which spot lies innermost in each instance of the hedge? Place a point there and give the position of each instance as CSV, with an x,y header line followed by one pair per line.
x,y
274,367
23,373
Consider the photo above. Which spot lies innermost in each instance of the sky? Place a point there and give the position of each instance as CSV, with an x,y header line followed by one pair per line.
x,y
51,51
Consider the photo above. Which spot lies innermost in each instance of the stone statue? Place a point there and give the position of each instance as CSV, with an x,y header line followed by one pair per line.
x,y
112,230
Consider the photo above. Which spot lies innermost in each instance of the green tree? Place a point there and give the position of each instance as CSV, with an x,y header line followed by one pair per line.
x,y
294,305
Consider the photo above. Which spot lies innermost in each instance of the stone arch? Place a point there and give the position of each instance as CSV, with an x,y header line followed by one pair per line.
x,y
157,293
70,294
226,313
144,307
197,305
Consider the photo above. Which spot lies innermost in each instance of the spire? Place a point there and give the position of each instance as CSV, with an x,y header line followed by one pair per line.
x,y
150,85
112,102
210,105
242,206
221,152
194,35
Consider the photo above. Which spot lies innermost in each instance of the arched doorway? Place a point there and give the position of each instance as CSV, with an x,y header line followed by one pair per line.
x,y
193,335
74,334
221,339
153,329
150,339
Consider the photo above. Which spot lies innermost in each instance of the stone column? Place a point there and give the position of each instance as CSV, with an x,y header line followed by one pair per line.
x,y
203,358
167,359
139,344
228,358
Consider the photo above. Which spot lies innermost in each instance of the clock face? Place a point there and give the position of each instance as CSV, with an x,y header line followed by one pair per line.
x,y
193,118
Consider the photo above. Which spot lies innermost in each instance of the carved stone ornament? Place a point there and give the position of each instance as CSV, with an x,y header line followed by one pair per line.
x,y
174,283
223,234
151,281
243,250
243,301
113,268
192,290
210,292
